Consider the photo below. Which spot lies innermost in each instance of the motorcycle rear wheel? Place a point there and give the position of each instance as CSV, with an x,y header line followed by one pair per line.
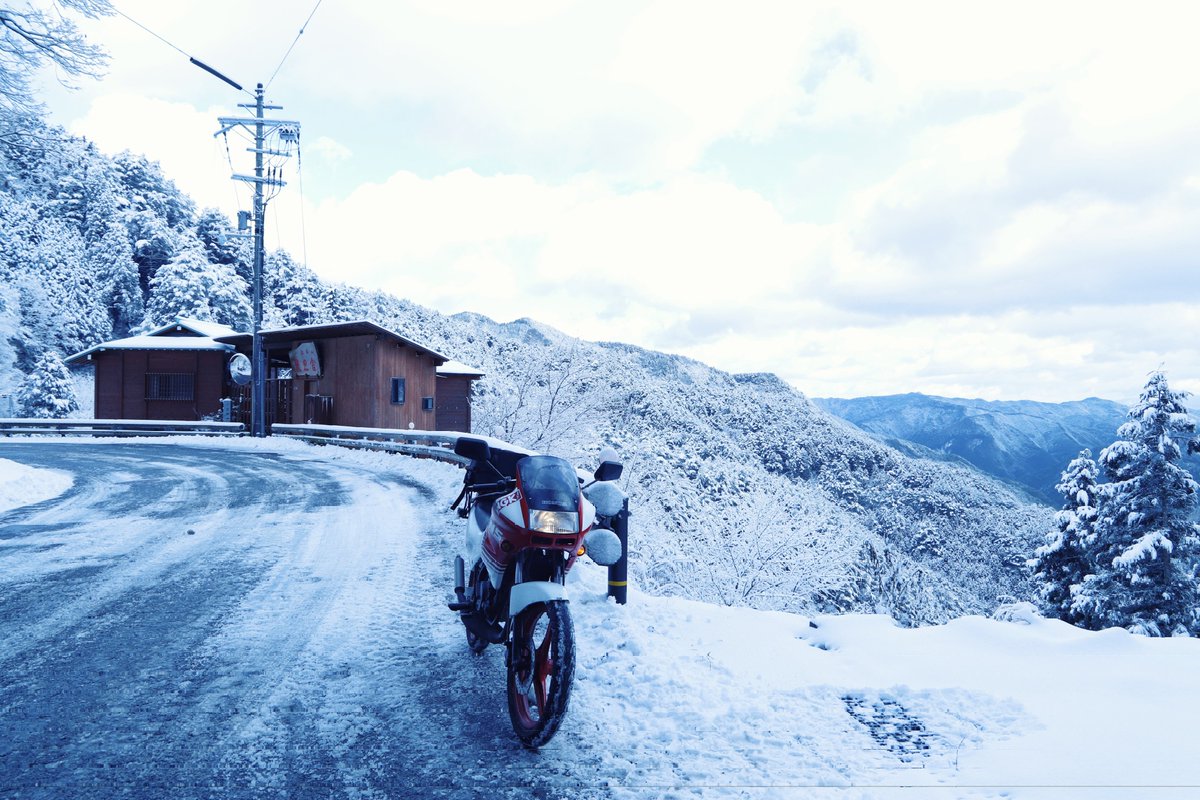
x,y
541,666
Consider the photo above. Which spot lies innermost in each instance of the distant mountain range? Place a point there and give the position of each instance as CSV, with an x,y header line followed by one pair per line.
x,y
1024,443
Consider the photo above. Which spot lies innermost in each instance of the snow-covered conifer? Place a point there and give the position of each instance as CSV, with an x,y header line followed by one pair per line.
x,y
292,289
110,258
189,286
1147,546
48,391
1062,563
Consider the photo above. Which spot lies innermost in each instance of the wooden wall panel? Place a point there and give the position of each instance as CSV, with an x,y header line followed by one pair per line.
x,y
418,370
454,403
210,382
357,372
133,385
121,383
110,376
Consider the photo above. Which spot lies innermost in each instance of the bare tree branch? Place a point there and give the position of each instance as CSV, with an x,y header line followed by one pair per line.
x,y
33,35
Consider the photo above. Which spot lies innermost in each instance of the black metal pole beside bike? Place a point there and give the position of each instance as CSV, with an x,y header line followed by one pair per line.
x,y
618,573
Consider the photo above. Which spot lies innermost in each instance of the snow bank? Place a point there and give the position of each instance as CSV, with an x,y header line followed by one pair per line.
x,y
21,485
678,699
697,698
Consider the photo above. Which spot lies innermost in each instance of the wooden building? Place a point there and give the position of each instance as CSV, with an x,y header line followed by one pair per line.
x,y
357,374
176,371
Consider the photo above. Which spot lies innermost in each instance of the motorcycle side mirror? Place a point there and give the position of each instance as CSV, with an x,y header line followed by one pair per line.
x,y
609,470
474,449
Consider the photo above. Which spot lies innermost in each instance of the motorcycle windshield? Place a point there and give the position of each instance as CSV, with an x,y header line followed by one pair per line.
x,y
548,483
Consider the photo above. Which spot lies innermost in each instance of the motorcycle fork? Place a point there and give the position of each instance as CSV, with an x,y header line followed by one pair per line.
x,y
557,570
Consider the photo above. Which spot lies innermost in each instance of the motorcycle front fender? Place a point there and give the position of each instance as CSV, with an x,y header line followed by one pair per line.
x,y
524,595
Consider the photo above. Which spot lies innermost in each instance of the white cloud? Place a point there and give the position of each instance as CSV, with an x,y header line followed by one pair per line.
x,y
509,246
1015,203
329,150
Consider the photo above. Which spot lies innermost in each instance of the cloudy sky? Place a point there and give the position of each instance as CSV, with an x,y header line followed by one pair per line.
x,y
996,200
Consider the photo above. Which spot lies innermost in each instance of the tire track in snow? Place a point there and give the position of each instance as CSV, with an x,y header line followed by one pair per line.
x,y
297,645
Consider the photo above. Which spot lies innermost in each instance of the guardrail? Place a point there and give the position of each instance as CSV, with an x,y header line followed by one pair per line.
x,y
421,444
116,427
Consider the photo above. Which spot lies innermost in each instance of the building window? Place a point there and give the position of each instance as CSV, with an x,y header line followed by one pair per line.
x,y
170,386
398,391
427,404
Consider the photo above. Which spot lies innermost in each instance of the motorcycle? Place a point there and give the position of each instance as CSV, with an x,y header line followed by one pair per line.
x,y
527,522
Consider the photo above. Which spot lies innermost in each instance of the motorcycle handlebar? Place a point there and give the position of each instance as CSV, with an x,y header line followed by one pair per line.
x,y
492,488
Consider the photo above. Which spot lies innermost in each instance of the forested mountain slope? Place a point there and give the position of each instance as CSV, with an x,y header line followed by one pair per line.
x,y
1024,442
743,492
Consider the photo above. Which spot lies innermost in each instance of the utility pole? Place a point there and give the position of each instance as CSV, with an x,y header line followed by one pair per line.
x,y
284,131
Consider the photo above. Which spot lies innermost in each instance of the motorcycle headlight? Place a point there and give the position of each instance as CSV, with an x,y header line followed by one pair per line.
x,y
554,521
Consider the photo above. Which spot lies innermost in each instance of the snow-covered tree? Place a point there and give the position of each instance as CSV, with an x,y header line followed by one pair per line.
x,y
216,234
546,400
110,258
190,286
1062,563
769,549
153,243
148,189
292,293
48,391
1147,546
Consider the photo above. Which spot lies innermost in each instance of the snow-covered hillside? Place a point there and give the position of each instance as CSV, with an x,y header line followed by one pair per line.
x,y
744,491
332,645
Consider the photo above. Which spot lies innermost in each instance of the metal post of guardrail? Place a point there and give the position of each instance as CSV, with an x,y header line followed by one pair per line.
x,y
618,573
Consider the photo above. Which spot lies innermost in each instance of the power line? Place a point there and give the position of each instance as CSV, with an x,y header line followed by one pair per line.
x,y
297,39
303,227
184,53
152,33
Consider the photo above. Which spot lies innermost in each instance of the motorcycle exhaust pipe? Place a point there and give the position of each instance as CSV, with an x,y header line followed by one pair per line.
x,y
460,578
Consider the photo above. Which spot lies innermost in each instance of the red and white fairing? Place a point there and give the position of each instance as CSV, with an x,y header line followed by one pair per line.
x,y
513,527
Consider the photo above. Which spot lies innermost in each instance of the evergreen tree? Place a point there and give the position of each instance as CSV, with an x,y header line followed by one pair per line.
x,y
110,258
148,189
216,234
1147,546
47,392
153,244
1062,563
291,289
189,286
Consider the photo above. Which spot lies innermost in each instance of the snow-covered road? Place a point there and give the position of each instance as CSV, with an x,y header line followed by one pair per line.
x,y
200,622
263,619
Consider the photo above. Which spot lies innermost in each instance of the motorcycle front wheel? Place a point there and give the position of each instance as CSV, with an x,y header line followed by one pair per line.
x,y
541,665
478,586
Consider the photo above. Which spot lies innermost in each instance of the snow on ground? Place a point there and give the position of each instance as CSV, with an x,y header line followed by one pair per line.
x,y
675,698
21,485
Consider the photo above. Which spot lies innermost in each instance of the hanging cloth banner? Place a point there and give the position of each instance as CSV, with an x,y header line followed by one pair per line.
x,y
305,362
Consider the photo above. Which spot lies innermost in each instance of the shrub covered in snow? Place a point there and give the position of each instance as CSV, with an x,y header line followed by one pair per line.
x,y
48,392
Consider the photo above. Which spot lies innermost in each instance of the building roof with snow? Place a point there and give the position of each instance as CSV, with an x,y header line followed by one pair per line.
x,y
182,334
459,368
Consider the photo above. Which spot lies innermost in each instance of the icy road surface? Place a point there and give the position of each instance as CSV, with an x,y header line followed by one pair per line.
x,y
295,644
191,621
